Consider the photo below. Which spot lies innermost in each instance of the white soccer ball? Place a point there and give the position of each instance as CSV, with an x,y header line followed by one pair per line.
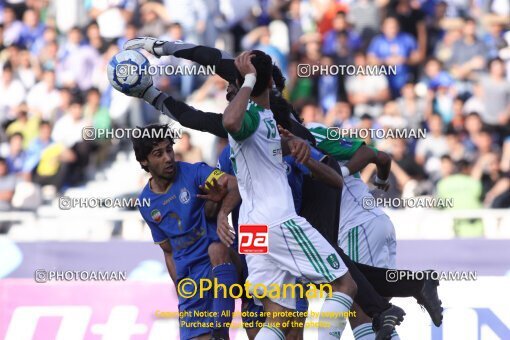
x,y
125,73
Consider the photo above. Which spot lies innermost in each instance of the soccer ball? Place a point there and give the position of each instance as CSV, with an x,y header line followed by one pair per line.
x,y
124,73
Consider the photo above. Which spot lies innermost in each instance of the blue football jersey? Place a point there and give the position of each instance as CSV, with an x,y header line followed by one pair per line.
x,y
178,215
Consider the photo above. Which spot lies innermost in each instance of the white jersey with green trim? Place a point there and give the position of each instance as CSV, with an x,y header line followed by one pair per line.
x,y
355,208
357,202
256,156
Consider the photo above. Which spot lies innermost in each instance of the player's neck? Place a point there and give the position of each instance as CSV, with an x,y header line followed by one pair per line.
x,y
262,100
159,185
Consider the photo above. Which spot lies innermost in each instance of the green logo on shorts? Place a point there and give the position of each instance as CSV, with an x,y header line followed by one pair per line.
x,y
333,261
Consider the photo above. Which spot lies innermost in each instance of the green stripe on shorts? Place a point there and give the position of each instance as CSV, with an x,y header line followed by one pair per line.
x,y
322,265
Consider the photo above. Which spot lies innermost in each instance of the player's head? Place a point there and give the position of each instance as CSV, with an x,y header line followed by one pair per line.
x,y
154,150
264,67
278,79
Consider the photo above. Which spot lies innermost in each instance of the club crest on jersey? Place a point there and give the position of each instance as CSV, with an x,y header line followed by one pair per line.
x,y
346,143
184,196
287,167
156,215
333,261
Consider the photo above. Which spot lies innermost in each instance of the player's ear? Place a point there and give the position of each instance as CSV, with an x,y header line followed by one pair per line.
x,y
144,163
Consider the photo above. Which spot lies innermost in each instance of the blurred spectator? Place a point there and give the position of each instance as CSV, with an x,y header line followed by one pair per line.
x,y
154,17
391,117
340,115
328,86
28,69
44,97
311,113
94,111
495,93
394,48
469,53
364,15
67,133
112,16
32,28
430,149
190,153
366,93
341,37
13,93
486,170
12,26
7,186
457,150
23,124
403,157
36,148
435,28
94,38
77,61
68,128
191,16
412,21
16,157
411,107
493,38
473,125
260,39
466,192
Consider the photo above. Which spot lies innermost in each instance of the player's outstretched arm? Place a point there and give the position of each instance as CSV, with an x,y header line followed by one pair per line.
x,y
169,260
190,117
203,55
365,155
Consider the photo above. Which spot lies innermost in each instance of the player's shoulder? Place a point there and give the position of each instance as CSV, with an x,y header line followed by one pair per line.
x,y
195,169
318,131
146,193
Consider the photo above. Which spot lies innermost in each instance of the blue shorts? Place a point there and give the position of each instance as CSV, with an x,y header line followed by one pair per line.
x,y
197,271
195,303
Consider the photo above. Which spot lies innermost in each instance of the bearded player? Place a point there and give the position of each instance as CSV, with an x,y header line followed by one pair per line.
x,y
178,223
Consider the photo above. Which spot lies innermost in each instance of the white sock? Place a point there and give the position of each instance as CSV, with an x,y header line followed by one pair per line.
x,y
270,333
364,332
338,303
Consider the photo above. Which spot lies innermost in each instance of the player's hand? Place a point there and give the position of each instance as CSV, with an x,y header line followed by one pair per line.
x,y
225,232
244,65
146,43
213,192
299,149
285,132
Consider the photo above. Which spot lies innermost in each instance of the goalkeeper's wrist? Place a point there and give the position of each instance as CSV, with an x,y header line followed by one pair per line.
x,y
249,80
151,94
377,180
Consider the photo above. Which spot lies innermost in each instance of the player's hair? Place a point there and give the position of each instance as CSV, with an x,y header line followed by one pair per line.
x,y
264,67
144,144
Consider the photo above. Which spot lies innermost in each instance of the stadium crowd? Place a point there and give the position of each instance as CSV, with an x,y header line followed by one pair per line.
x,y
453,79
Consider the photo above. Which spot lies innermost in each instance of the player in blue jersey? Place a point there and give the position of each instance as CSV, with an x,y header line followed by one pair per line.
x,y
178,222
